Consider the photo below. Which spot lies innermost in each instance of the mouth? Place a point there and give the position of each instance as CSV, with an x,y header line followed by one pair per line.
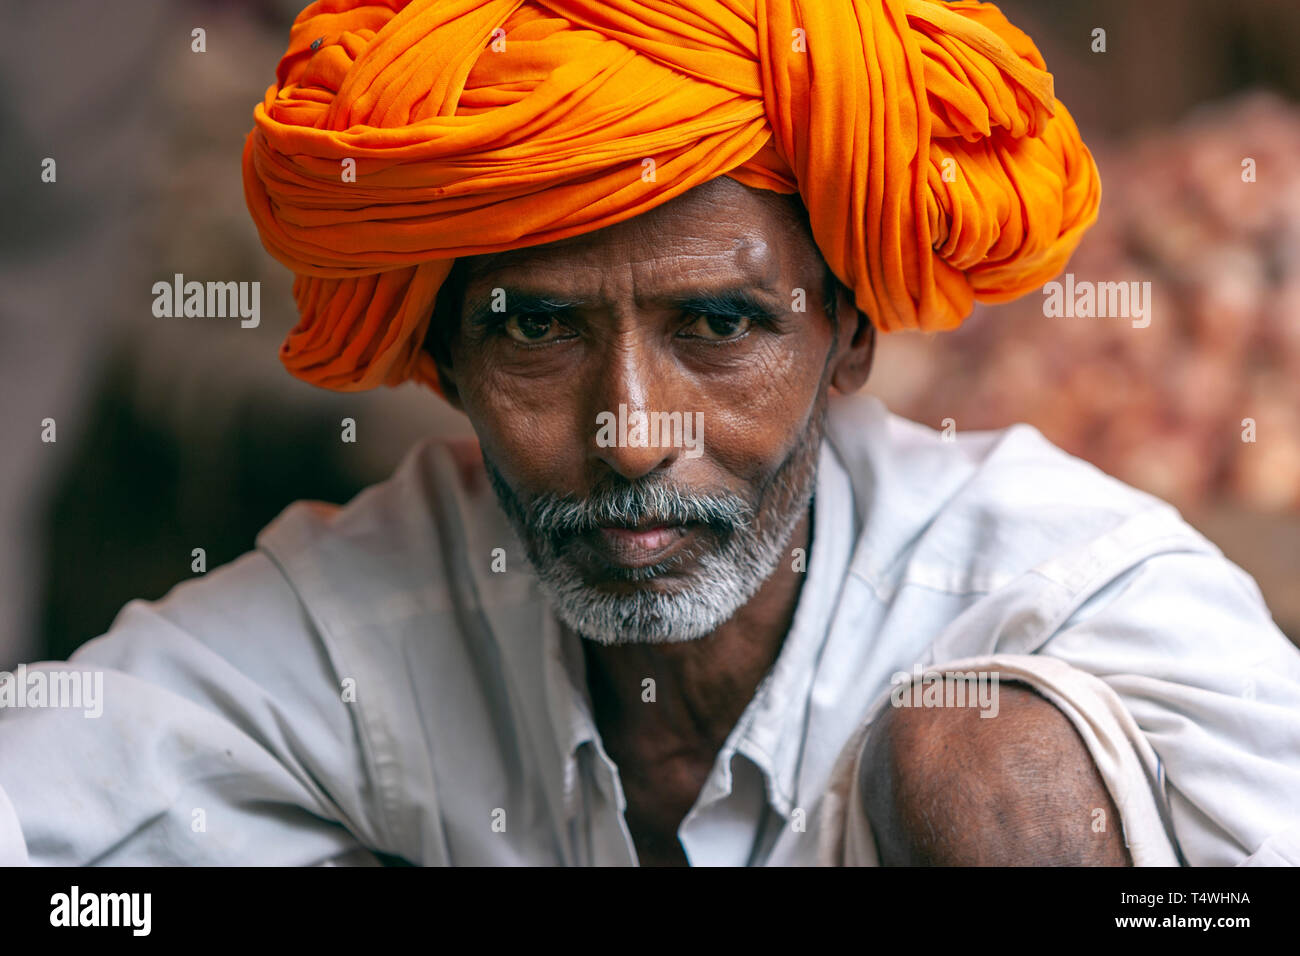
x,y
637,547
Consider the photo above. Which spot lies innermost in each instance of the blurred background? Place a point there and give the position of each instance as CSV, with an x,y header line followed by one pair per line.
x,y
176,434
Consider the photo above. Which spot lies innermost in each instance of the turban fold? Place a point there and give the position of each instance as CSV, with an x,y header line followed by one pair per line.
x,y
923,138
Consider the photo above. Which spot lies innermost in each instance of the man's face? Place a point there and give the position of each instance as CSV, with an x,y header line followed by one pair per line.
x,y
649,402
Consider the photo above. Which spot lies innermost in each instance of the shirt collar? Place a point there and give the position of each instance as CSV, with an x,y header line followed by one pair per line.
x,y
568,705
772,729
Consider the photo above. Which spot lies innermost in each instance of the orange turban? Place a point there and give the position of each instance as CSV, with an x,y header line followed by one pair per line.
x,y
923,137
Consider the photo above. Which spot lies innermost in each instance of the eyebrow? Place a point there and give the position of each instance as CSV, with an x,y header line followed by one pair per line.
x,y
739,302
518,303
732,302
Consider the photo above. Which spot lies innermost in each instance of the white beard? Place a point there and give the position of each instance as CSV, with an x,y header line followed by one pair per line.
x,y
722,580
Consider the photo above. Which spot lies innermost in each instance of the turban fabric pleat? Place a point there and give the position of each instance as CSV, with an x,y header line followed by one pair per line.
x,y
923,138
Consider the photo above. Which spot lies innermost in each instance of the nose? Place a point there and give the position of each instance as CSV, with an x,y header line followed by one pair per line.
x,y
631,392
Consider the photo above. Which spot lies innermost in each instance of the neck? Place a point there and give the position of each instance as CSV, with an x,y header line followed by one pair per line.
x,y
701,687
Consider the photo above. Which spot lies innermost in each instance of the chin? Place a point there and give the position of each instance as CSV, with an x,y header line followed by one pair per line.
x,y
650,635
641,618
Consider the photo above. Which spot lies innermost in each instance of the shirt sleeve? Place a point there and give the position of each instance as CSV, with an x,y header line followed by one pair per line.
x,y
212,730
1186,642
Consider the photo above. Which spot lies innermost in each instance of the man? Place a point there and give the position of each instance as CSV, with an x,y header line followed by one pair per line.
x,y
661,612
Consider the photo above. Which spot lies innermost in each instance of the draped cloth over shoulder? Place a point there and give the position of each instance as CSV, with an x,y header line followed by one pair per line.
x,y
923,137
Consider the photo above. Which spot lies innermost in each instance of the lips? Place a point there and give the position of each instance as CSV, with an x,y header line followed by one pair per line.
x,y
637,547
648,539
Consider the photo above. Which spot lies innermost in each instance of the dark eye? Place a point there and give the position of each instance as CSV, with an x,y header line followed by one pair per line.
x,y
717,328
532,328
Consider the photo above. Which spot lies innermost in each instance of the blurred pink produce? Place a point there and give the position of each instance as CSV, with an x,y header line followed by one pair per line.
x,y
1163,407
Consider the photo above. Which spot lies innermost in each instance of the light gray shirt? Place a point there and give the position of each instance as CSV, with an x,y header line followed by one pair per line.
x,y
365,681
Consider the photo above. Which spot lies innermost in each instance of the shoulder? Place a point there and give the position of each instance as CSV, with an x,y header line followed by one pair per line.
x,y
356,615
999,539
321,569
223,619
1000,543
416,545
342,641
971,512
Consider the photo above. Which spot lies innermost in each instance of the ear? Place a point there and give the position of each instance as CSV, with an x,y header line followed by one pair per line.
x,y
447,383
439,349
438,339
856,349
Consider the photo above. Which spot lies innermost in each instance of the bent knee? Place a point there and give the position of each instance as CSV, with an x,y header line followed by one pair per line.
x,y
947,786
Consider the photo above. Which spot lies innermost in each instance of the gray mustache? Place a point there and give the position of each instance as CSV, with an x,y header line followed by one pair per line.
x,y
562,516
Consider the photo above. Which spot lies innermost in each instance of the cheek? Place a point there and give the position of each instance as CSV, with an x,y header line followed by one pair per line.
x,y
754,417
526,425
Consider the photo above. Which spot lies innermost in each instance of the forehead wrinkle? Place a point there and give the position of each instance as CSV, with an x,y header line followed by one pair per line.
x,y
527,276
722,229
750,262
695,230
645,279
